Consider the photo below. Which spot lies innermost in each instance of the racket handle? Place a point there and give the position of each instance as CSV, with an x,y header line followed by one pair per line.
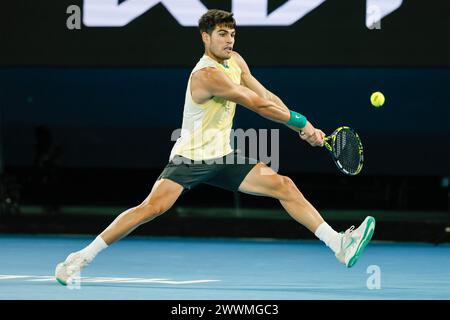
x,y
326,144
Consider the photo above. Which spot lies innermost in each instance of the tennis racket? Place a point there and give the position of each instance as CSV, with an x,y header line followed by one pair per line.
x,y
346,150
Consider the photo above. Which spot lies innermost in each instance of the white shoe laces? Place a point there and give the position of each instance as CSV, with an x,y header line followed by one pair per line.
x,y
347,236
349,230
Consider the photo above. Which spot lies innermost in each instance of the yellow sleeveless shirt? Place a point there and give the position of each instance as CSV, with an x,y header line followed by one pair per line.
x,y
206,128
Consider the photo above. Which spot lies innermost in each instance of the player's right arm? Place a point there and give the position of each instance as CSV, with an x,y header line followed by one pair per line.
x,y
312,135
210,82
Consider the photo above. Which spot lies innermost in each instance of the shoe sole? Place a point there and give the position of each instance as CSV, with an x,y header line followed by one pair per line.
x,y
61,282
368,233
58,279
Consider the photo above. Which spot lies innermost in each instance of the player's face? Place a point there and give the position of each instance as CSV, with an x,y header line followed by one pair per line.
x,y
221,42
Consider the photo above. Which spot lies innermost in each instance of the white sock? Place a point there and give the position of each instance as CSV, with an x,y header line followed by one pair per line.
x,y
331,238
94,248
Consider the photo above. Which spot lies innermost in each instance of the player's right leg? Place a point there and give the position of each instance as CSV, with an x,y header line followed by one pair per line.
x,y
163,195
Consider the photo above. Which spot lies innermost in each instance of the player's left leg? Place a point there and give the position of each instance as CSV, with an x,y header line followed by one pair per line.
x,y
263,181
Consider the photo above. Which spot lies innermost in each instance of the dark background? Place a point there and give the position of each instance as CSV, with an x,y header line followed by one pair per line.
x,y
333,34
125,117
87,115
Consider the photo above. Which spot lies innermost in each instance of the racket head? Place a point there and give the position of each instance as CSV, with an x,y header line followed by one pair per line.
x,y
346,150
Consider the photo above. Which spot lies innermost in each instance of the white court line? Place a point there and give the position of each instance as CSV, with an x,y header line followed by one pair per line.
x,y
105,280
6,277
168,281
91,279
185,282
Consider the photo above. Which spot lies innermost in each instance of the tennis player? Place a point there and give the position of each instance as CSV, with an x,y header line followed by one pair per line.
x,y
203,154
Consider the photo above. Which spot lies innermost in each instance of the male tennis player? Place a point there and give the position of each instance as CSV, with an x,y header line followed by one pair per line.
x,y
219,81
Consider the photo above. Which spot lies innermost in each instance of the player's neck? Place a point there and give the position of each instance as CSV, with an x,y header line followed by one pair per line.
x,y
210,55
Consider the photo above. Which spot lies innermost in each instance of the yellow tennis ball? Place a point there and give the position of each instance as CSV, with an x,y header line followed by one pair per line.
x,y
377,99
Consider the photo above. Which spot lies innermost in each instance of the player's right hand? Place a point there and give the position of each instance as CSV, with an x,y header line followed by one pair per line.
x,y
315,138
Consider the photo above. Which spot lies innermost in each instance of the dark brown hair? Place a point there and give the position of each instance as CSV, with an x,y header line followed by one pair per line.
x,y
215,17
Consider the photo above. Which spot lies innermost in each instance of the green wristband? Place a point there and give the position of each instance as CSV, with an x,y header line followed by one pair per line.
x,y
297,120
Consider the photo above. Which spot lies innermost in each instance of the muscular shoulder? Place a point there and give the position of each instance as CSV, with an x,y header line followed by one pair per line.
x,y
241,62
208,82
206,75
238,58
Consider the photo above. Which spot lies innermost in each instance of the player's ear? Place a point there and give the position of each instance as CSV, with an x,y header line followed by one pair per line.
x,y
205,37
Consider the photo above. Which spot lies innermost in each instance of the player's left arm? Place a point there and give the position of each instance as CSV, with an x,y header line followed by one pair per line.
x,y
249,81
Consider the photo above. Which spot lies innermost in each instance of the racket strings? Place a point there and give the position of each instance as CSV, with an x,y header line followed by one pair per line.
x,y
346,150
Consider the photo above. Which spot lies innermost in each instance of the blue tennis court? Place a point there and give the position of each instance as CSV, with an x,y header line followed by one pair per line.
x,y
213,269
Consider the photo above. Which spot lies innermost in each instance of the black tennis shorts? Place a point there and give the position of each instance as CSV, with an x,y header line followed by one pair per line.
x,y
226,172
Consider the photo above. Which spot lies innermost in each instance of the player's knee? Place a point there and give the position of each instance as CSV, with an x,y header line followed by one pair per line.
x,y
288,188
150,210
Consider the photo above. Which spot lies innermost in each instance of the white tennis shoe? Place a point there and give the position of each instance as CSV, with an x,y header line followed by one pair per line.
x,y
354,241
70,269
